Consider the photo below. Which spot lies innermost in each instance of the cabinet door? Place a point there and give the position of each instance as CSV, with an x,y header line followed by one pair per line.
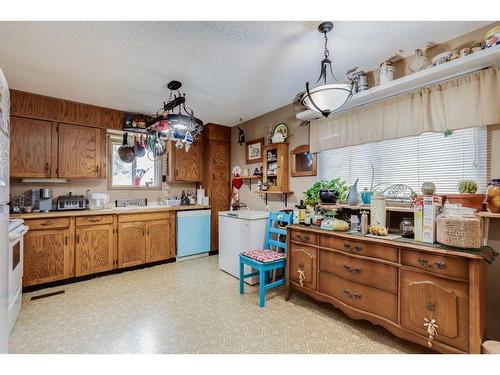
x,y
160,240
219,186
79,151
48,256
30,147
303,265
94,249
131,244
187,165
424,296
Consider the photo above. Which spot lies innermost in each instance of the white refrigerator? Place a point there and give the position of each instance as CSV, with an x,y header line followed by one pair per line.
x,y
4,212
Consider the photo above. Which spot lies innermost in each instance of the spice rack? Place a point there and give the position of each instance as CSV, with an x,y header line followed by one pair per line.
x,y
275,167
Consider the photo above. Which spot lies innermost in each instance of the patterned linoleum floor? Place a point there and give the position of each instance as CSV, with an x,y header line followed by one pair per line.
x,y
188,307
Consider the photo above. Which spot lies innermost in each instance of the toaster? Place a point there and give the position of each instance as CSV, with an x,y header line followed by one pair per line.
x,y
71,202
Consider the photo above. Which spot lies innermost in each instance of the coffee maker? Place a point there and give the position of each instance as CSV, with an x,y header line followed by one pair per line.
x,y
39,199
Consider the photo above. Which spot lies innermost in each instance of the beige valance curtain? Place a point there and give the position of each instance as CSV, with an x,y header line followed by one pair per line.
x,y
467,101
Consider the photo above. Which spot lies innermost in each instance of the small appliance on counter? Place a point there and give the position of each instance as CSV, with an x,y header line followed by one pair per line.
x,y
98,201
39,199
71,202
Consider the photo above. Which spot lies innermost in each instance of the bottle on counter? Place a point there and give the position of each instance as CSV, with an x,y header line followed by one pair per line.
x,y
364,223
307,218
302,211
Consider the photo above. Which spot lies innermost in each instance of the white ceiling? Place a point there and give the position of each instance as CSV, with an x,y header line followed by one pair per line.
x,y
229,70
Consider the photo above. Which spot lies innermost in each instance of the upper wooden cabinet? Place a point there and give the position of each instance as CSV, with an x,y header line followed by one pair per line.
x,y
24,104
30,147
275,162
81,152
182,165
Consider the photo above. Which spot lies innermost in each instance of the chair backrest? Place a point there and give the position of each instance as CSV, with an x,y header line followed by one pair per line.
x,y
280,233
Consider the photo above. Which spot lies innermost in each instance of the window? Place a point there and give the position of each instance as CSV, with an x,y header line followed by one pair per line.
x,y
444,160
142,173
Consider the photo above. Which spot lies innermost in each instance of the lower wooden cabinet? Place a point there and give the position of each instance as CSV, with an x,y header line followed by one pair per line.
x,y
302,260
144,241
48,256
94,249
160,240
131,244
425,298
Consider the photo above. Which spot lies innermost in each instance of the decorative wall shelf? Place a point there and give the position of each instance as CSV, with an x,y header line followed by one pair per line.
x,y
248,180
284,195
463,65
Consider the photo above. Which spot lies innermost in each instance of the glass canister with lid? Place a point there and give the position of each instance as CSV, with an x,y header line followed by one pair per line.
x,y
459,226
493,196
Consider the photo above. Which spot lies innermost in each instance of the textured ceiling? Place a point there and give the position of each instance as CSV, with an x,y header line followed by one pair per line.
x,y
229,70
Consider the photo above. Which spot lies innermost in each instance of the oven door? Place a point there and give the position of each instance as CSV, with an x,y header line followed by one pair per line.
x,y
16,244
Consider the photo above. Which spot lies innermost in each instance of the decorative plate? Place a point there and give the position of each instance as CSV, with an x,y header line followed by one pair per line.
x,y
282,129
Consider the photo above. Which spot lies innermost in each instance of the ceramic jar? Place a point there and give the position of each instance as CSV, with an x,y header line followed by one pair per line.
x,y
386,72
378,210
493,196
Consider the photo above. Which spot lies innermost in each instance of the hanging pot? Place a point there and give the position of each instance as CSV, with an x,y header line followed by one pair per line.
x,y
125,152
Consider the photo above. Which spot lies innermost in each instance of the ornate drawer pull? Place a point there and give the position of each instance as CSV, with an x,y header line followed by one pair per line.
x,y
430,307
431,328
348,268
437,265
353,295
358,248
347,246
299,237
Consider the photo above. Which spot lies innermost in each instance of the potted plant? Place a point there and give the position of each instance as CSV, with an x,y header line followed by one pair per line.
x,y
327,192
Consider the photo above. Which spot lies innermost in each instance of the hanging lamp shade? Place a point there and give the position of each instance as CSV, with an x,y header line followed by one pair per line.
x,y
326,98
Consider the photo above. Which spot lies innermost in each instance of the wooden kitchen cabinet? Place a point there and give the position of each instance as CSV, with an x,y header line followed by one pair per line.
x,y
94,249
184,166
145,238
429,297
48,255
275,166
31,148
131,244
217,174
160,238
81,152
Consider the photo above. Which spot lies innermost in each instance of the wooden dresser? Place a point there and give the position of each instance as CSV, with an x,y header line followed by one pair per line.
x,y
396,285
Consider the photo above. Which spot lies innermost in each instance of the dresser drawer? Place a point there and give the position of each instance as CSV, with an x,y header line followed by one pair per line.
x,y
48,223
369,273
304,237
439,264
362,297
94,220
361,248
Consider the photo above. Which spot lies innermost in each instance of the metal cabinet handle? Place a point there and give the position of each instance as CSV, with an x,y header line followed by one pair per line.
x,y
348,268
423,262
299,237
352,295
77,238
94,219
65,240
437,265
347,246
358,248
97,169
440,265
47,223
47,167
430,307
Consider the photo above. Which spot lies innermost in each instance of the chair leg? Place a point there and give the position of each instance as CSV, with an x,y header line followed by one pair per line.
x,y
262,290
242,280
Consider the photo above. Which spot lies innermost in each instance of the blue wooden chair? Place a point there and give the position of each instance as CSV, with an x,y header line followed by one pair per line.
x,y
266,260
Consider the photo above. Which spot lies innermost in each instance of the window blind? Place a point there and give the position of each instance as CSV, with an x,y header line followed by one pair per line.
x,y
444,160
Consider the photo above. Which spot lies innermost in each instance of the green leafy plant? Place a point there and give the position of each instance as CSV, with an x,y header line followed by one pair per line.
x,y
338,186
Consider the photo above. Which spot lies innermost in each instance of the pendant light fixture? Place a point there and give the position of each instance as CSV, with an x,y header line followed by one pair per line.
x,y
326,98
176,121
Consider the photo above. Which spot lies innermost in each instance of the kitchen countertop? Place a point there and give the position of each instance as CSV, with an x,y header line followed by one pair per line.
x,y
110,211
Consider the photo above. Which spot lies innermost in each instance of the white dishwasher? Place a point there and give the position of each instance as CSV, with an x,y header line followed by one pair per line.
x,y
239,231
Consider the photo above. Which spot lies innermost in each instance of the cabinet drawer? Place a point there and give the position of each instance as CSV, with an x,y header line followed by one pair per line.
x,y
374,274
425,296
305,237
128,218
363,297
302,260
49,223
94,220
360,248
439,264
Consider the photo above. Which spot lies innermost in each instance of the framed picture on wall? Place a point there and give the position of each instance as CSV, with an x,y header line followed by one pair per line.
x,y
254,150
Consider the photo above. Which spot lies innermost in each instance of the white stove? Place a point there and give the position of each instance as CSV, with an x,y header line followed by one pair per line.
x,y
17,230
